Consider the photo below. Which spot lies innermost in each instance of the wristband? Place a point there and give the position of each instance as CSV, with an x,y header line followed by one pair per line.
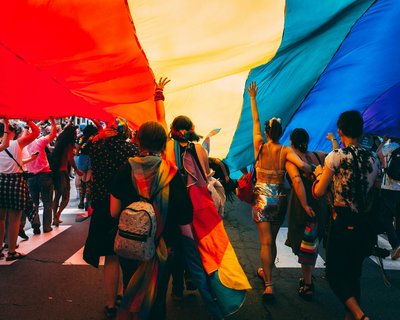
x,y
159,96
5,132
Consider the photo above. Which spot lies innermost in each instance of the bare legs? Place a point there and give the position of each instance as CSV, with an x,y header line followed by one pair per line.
x,y
14,218
112,280
61,191
267,233
307,271
59,207
354,307
3,213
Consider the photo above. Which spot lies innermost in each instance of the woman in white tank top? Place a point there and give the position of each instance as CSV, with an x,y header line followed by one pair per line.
x,y
14,193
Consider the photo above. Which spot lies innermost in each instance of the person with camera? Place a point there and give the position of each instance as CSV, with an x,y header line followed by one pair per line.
x,y
349,173
40,180
14,193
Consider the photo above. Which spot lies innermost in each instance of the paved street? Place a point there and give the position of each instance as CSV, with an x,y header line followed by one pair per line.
x,y
53,283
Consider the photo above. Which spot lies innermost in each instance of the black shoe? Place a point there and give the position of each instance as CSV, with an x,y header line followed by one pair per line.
x,y
47,230
110,312
306,291
81,205
190,285
36,230
23,235
6,246
11,256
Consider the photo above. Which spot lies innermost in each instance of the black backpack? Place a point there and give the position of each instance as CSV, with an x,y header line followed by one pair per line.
x,y
393,167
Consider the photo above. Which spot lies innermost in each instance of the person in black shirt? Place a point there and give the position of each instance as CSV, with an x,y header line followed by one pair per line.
x,y
171,201
109,150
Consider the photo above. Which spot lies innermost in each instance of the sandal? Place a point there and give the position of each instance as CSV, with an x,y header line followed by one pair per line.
x,y
11,256
306,291
268,296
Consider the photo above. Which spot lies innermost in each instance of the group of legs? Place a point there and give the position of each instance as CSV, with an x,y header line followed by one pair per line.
x,y
14,217
344,265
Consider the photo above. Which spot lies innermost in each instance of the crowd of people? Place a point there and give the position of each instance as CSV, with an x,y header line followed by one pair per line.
x,y
324,196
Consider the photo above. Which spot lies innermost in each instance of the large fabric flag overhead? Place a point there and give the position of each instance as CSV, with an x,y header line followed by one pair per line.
x,y
363,75
314,30
92,52
66,57
311,60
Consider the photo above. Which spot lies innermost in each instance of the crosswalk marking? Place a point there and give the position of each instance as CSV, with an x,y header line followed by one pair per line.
x,y
34,242
77,259
388,263
72,211
285,257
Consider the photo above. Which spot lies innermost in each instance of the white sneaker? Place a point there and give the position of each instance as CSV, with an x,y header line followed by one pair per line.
x,y
395,253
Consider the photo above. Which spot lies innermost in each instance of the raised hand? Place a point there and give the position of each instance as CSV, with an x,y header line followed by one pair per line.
x,y
162,83
252,89
331,136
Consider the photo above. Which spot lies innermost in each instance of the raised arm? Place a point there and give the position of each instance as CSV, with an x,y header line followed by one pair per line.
x,y
5,142
257,134
332,138
53,131
298,187
30,136
159,100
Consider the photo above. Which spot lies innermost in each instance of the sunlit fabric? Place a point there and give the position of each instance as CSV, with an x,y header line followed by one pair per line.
x,y
363,75
87,55
70,57
311,60
314,30
207,49
383,116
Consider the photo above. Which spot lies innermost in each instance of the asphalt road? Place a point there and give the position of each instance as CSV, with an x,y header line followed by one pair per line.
x,y
40,287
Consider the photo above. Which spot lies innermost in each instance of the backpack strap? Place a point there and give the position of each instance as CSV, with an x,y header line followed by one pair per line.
x,y
12,157
259,153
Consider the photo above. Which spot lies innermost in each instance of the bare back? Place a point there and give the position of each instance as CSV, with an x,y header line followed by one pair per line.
x,y
270,167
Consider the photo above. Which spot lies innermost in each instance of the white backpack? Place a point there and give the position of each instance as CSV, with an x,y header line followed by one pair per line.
x,y
136,232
